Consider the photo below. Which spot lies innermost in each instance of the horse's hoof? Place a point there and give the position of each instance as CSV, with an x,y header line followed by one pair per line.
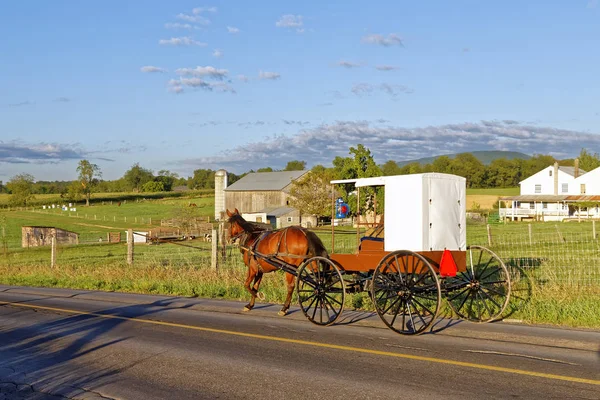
x,y
247,309
282,313
260,295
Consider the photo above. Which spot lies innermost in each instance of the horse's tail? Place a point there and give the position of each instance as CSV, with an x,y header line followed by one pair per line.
x,y
315,245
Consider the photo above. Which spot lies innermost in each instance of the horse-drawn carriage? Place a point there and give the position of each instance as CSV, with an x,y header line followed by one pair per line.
x,y
411,260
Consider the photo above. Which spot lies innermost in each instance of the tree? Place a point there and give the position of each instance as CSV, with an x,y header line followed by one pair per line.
x,y
202,179
468,166
390,168
153,186
167,178
74,192
441,164
137,176
588,161
265,169
20,187
88,178
503,173
295,165
311,194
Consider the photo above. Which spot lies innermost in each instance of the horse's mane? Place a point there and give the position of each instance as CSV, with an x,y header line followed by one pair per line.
x,y
247,225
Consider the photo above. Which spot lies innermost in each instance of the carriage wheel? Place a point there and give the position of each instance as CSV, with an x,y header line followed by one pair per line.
x,y
321,291
406,292
481,293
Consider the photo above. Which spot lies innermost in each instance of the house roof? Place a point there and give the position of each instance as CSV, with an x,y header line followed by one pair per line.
x,y
265,181
571,171
549,198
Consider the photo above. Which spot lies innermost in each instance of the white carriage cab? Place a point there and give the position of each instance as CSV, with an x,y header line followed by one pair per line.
x,y
422,211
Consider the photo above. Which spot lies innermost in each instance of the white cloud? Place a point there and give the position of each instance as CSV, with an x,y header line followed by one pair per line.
x,y
232,29
199,19
323,143
291,21
22,104
178,85
391,40
177,25
348,64
362,89
243,78
217,53
200,10
152,69
181,41
268,75
201,72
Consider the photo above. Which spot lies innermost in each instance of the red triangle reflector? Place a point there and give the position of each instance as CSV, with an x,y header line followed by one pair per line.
x,y
447,265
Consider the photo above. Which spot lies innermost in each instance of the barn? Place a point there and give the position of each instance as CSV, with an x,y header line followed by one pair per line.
x,y
33,236
265,197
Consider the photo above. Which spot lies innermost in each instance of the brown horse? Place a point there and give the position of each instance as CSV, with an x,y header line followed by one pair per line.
x,y
292,245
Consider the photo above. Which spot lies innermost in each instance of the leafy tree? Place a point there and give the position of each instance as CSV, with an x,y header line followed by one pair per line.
x,y
153,186
74,192
503,173
588,161
295,165
412,168
88,178
468,166
441,164
390,168
311,194
202,179
537,163
167,178
265,169
20,187
137,176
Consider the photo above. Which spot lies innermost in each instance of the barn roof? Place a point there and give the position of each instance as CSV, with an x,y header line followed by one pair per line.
x,y
265,181
277,211
549,198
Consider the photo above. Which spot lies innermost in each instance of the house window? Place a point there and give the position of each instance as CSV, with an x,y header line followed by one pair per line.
x,y
538,188
544,206
550,173
532,206
565,187
258,219
583,188
289,219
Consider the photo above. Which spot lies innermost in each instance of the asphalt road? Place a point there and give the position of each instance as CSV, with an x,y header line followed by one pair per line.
x,y
89,345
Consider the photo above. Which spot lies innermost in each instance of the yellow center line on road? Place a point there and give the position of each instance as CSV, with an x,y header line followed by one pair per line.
x,y
316,344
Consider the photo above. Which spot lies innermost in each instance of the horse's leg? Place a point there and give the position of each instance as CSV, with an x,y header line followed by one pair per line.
x,y
291,284
257,280
252,272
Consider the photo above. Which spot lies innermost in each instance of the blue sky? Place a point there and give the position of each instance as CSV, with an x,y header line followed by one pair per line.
x,y
183,85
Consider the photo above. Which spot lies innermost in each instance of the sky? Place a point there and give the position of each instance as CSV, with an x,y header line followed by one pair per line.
x,y
183,85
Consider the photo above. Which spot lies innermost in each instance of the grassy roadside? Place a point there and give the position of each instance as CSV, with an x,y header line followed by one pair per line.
x,y
554,305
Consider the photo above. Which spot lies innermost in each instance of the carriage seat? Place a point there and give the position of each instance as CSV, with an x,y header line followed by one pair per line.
x,y
370,243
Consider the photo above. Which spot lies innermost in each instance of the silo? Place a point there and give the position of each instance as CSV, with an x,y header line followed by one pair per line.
x,y
220,185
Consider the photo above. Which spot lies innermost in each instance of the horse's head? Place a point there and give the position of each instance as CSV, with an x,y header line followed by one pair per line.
x,y
235,220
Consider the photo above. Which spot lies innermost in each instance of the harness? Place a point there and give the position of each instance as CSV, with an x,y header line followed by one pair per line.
x,y
256,255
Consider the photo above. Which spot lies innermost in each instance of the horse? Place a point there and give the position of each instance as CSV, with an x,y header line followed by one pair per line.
x,y
292,245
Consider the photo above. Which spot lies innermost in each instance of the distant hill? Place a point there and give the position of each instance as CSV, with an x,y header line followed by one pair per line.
x,y
485,156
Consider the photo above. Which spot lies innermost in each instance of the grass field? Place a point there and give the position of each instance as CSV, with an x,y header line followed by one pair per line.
x,y
556,269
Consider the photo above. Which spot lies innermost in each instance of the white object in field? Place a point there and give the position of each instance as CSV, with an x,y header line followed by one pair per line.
x,y
423,212
138,237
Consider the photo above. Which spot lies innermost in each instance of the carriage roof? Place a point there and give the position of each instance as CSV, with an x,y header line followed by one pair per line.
x,y
422,211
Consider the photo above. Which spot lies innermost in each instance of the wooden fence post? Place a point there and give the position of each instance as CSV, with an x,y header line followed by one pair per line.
x,y
222,241
213,254
489,234
53,252
594,229
130,246
530,235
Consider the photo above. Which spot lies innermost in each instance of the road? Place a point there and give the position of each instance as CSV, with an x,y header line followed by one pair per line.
x,y
75,344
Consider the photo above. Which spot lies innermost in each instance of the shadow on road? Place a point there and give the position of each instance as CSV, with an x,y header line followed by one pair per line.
x,y
46,354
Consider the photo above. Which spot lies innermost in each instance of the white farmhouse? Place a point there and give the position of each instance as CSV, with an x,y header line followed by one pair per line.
x,y
554,194
553,180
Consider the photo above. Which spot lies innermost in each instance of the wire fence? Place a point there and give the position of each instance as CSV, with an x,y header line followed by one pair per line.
x,y
569,260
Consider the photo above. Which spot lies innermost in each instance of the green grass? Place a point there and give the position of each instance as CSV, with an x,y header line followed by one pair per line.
x,y
559,283
513,191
